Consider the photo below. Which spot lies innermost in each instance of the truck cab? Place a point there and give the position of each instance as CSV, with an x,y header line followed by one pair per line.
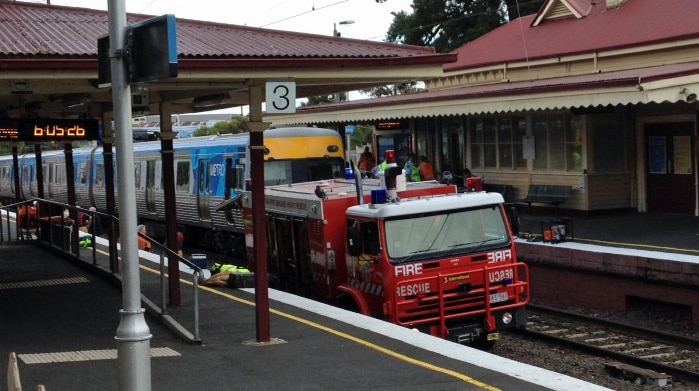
x,y
449,263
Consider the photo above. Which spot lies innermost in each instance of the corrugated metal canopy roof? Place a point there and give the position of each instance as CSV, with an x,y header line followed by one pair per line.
x,y
52,51
30,29
638,86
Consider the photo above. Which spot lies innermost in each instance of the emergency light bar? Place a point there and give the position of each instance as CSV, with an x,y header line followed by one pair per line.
x,y
474,184
390,156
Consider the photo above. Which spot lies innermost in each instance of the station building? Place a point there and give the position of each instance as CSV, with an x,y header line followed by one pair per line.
x,y
597,95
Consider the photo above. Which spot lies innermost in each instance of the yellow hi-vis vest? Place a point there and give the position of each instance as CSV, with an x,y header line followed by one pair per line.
x,y
221,268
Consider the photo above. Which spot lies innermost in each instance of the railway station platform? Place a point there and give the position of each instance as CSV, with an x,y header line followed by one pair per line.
x,y
60,319
616,264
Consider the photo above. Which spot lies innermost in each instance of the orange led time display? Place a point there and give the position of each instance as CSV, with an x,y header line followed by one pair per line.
x,y
38,130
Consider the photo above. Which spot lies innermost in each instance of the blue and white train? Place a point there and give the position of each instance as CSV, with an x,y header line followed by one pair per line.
x,y
208,171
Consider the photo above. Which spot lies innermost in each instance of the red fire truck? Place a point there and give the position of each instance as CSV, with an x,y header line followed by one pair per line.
x,y
419,254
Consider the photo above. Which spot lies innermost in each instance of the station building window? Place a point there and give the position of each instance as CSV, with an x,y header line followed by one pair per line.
x,y
483,143
496,143
511,131
558,142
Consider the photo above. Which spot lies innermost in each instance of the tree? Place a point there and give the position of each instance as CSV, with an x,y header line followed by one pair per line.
x,y
449,24
323,99
363,134
392,89
236,125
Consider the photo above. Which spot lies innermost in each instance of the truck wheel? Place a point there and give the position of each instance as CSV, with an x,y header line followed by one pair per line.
x,y
482,343
346,302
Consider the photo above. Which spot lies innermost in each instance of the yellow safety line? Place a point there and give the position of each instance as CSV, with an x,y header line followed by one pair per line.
x,y
367,344
636,245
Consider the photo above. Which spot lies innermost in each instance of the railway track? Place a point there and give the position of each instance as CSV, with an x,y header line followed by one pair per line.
x,y
671,354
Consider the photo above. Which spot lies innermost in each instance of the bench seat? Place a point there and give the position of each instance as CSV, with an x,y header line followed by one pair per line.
x,y
547,194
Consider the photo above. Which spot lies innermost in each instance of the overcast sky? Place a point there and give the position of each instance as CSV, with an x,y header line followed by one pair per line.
x,y
371,19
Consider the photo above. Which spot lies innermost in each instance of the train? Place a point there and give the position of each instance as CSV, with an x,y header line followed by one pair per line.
x,y
209,170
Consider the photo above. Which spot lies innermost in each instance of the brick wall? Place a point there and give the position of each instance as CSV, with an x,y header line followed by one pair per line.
x,y
567,277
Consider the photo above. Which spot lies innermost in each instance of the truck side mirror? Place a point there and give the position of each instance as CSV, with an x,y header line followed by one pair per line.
x,y
354,241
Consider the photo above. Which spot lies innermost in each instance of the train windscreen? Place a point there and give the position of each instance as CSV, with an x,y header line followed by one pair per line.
x,y
278,172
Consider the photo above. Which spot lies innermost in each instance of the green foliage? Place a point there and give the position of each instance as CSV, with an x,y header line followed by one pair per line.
x,y
449,24
323,99
363,134
391,90
236,125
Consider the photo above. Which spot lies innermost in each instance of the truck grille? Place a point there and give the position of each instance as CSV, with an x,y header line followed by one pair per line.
x,y
461,300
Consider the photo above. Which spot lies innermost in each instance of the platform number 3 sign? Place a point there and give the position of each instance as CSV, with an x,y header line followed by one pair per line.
x,y
280,96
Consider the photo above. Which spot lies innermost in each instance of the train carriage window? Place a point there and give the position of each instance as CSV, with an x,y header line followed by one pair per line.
x,y
239,177
4,177
60,174
157,174
183,173
83,173
230,177
99,178
204,176
150,186
137,175
150,174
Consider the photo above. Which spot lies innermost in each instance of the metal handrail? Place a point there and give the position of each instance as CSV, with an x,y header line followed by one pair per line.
x,y
65,244
196,275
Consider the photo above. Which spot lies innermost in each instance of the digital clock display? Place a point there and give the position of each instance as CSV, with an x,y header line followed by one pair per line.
x,y
38,130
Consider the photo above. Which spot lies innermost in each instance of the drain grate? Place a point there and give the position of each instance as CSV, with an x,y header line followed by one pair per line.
x,y
40,283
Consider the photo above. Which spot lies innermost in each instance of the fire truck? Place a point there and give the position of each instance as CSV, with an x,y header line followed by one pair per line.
x,y
417,254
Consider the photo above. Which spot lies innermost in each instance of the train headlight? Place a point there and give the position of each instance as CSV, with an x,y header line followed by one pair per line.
x,y
507,318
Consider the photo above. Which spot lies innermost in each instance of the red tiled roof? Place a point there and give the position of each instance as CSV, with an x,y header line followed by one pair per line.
x,y
40,30
634,23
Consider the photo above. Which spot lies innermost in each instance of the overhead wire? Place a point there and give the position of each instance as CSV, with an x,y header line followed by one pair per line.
x,y
313,9
524,41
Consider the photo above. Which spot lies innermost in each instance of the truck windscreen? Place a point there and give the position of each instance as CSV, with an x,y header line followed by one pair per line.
x,y
449,233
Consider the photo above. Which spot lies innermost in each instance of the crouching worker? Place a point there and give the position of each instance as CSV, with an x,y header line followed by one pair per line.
x,y
143,244
85,241
232,276
27,217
